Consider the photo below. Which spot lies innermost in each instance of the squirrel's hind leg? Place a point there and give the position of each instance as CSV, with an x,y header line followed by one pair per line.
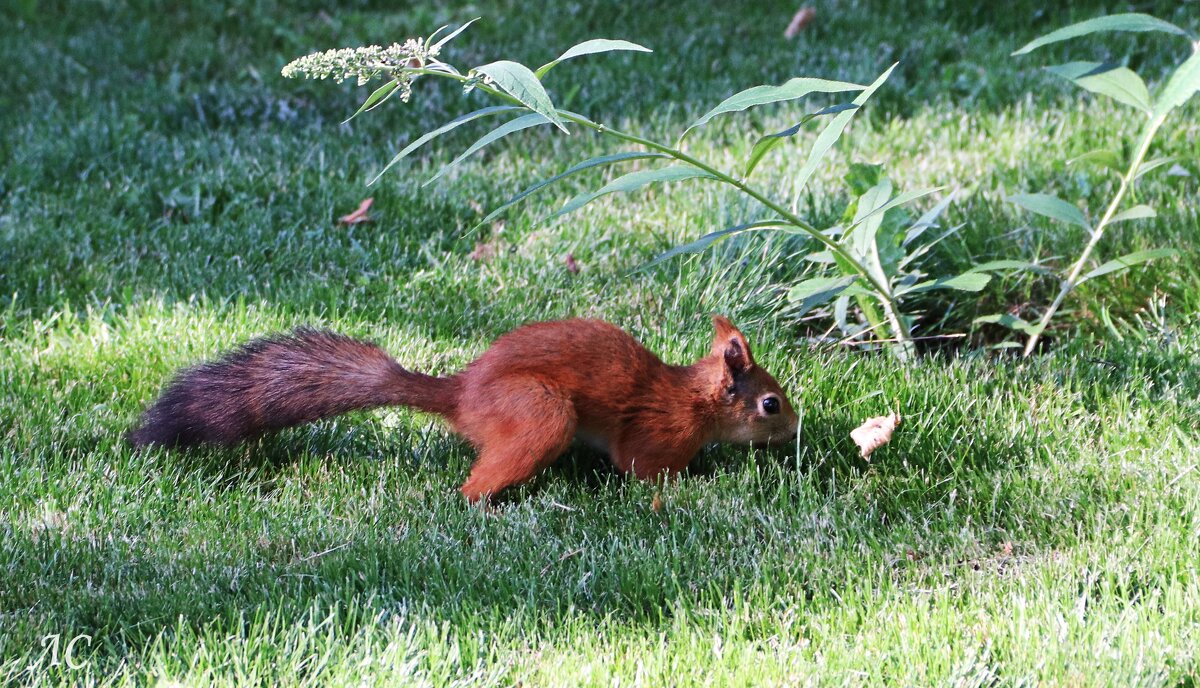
x,y
522,427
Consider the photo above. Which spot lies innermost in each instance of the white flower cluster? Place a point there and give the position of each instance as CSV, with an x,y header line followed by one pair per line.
x,y
364,63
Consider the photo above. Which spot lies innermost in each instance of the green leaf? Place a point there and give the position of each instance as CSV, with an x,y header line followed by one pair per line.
x,y
522,84
1051,207
1129,260
1137,212
596,45
929,219
375,99
449,37
998,265
711,238
586,164
1182,85
899,200
771,141
762,95
878,243
832,132
1151,165
631,182
859,239
523,122
1119,83
1104,158
1132,21
452,124
968,281
814,292
1012,322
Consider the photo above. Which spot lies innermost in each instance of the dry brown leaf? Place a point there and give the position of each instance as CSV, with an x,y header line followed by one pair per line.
x,y
1006,549
657,504
801,20
874,433
572,266
360,213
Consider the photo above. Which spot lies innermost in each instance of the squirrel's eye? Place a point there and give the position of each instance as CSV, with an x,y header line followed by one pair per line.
x,y
770,405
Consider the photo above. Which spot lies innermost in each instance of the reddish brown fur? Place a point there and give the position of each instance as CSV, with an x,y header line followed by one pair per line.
x,y
520,403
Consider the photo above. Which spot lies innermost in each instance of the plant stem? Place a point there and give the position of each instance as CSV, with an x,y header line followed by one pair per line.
x,y
883,293
1072,278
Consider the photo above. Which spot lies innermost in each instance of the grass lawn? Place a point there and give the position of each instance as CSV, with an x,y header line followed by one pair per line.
x,y
165,194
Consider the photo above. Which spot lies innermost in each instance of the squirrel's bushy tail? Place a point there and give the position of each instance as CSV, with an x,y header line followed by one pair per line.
x,y
282,381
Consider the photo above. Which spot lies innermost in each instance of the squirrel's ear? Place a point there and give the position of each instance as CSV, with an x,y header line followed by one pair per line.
x,y
731,344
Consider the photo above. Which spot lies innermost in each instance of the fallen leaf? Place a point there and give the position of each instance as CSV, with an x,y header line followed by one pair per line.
x,y
874,433
572,266
1006,549
359,215
801,20
657,504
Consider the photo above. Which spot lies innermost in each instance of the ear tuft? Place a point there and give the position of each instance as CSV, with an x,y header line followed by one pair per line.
x,y
731,344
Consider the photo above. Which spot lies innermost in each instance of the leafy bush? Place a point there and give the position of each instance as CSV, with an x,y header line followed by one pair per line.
x,y
872,256
1126,87
868,250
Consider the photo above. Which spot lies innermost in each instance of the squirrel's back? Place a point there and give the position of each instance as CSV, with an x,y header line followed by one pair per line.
x,y
582,356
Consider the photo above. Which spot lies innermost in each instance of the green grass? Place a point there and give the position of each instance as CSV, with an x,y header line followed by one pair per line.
x,y
165,195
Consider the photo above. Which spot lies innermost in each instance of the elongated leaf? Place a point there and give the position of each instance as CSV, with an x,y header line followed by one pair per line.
x,y
1012,322
1051,207
831,133
522,84
711,238
1137,212
761,95
1182,85
377,97
868,215
1132,21
1151,165
895,202
861,236
585,165
968,281
814,292
769,142
922,249
927,220
523,122
450,36
1129,260
999,265
596,45
430,135
1104,158
631,182
1119,83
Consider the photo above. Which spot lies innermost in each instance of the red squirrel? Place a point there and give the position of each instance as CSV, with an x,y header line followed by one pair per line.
x,y
520,404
